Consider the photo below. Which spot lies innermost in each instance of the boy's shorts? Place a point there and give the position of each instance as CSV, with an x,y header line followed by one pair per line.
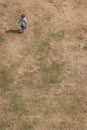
x,y
23,27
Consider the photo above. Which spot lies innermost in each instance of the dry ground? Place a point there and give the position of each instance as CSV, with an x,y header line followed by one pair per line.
x,y
43,72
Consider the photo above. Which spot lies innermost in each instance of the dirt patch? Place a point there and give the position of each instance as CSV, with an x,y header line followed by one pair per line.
x,y
43,72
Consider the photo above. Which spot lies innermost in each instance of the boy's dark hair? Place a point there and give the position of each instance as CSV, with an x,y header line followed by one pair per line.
x,y
23,15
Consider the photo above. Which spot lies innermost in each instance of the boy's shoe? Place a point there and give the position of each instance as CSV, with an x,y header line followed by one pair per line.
x,y
21,31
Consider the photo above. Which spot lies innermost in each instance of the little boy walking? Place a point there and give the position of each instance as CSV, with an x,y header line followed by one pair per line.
x,y
23,22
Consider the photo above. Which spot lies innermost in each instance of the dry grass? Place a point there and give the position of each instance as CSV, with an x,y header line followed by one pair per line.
x,y
43,72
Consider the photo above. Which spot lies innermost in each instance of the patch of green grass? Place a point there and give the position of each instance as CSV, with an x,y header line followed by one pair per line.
x,y
85,47
85,29
68,109
54,68
51,80
4,124
58,36
78,1
1,38
16,103
26,126
4,5
80,37
51,1
6,78
52,74
64,125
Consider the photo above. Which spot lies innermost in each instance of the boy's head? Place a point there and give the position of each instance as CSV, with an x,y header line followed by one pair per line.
x,y
23,15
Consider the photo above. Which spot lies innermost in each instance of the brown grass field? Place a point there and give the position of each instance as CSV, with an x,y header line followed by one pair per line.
x,y
43,72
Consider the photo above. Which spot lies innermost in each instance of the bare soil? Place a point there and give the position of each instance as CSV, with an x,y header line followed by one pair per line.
x,y
43,72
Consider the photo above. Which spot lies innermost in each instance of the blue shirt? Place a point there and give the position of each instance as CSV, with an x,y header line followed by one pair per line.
x,y
23,21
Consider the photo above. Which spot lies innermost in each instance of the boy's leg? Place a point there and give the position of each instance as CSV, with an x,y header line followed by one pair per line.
x,y
22,28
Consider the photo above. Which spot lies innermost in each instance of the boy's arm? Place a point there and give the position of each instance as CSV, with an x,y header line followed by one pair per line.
x,y
26,20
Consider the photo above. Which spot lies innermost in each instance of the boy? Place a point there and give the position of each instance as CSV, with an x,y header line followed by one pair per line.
x,y
23,22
